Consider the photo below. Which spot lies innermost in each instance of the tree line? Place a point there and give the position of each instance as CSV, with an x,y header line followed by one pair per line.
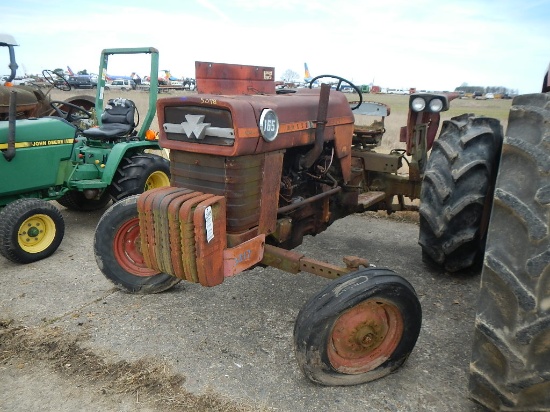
x,y
487,89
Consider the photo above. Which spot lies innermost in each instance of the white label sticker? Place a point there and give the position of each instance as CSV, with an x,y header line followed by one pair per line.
x,y
209,224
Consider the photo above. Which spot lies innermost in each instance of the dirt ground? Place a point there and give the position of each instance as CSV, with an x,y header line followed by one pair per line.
x,y
71,341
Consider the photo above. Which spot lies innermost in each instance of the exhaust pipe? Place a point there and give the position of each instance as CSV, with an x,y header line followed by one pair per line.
x,y
12,114
310,157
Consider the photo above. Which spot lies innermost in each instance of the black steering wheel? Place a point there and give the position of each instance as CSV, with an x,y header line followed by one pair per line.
x,y
339,86
59,82
69,115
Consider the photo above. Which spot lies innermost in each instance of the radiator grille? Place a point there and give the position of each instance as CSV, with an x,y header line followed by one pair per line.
x,y
238,179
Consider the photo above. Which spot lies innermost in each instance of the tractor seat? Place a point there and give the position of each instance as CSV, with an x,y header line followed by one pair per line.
x,y
117,120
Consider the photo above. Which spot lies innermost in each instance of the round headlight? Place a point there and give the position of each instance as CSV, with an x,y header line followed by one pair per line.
x,y
418,104
436,105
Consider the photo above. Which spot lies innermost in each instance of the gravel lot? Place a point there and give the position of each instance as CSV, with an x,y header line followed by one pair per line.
x,y
70,341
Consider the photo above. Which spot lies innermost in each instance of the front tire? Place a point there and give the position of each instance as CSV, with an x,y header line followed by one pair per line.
x,y
138,173
30,230
359,328
510,367
117,248
455,199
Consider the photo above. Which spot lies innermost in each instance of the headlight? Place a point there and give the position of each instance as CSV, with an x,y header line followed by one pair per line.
x,y
418,104
436,105
428,102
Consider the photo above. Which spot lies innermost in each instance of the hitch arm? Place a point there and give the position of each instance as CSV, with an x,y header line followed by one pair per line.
x,y
294,262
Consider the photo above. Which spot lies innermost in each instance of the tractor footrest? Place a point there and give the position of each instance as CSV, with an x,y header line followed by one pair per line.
x,y
368,199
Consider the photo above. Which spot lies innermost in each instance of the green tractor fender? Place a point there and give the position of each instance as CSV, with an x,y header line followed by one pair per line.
x,y
121,150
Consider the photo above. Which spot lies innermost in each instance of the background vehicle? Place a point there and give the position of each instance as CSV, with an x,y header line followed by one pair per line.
x,y
121,84
17,82
82,81
81,169
32,101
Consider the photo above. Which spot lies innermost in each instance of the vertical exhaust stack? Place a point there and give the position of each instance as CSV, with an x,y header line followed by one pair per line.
x,y
12,114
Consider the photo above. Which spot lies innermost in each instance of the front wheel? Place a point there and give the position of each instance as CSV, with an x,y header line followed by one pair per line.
x,y
30,230
456,193
359,328
117,248
138,173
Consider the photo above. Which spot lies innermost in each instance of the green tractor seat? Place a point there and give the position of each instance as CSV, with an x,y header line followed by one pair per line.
x,y
117,120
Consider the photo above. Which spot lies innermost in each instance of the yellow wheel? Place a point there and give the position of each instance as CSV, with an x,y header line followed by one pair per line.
x,y
36,233
157,179
30,230
139,173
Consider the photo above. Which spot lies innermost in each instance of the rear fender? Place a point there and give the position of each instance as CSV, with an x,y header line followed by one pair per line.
x,y
121,150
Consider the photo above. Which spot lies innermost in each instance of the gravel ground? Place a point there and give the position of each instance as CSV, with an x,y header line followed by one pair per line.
x,y
70,341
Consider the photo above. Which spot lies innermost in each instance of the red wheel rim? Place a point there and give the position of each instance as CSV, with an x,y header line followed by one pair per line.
x,y
127,247
365,336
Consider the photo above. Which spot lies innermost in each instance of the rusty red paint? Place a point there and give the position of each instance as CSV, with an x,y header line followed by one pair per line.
x,y
271,184
243,256
188,236
365,336
175,233
209,252
223,78
162,228
127,248
298,125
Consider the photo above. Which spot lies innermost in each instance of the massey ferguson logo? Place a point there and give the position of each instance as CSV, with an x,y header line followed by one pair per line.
x,y
194,126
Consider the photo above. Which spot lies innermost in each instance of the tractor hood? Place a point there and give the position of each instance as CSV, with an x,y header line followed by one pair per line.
x,y
247,124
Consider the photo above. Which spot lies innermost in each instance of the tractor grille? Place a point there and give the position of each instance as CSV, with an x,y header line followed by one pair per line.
x,y
238,179
220,121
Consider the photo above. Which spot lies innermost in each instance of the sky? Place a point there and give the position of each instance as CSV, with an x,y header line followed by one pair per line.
x,y
427,44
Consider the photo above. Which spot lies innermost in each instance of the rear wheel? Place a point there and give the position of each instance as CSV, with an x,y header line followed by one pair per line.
x,y
510,368
361,327
75,200
117,247
455,199
30,230
138,173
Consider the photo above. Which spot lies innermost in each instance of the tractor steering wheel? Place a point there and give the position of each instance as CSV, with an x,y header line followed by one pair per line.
x,y
59,82
339,86
68,115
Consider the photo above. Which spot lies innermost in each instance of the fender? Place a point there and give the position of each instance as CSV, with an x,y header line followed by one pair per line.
x,y
119,151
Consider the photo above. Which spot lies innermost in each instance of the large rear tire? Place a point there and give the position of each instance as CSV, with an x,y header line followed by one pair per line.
x,y
138,173
30,230
455,199
510,368
117,248
361,327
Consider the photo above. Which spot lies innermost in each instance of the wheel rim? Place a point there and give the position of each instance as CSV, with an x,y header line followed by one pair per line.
x,y
157,179
127,248
365,336
36,233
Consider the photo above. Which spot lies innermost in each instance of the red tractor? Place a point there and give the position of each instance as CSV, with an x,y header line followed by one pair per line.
x,y
31,100
254,170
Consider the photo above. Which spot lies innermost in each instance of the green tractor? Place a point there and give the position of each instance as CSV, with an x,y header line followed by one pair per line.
x,y
53,158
